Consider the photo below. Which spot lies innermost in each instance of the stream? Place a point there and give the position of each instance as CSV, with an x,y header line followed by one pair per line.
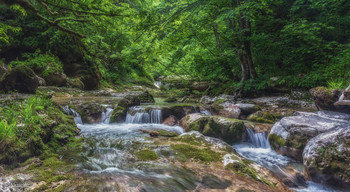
x,y
108,159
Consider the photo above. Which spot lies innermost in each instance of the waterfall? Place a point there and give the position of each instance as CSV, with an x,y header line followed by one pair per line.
x,y
259,140
77,117
158,84
106,116
206,112
139,115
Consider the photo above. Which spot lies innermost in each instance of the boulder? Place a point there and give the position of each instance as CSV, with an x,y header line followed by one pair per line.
x,y
227,109
327,158
325,98
290,135
89,112
229,130
200,86
145,97
178,111
118,115
343,104
171,121
58,79
220,99
21,79
129,101
247,108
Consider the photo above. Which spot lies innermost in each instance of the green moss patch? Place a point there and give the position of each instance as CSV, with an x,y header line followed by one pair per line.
x,y
146,155
185,152
276,141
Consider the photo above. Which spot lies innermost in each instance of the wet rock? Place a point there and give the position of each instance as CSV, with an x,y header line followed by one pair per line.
x,y
171,121
159,132
200,86
229,130
118,115
56,79
290,135
129,101
327,157
258,127
21,79
90,112
227,109
325,98
179,111
220,99
262,117
247,108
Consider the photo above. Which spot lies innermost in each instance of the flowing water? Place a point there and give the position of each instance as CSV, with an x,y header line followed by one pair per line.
x,y
140,115
257,149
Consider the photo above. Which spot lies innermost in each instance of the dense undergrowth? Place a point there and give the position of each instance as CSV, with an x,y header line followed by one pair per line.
x,y
33,127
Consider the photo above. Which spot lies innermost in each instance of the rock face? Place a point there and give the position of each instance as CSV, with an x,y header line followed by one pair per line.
x,y
229,130
90,112
325,98
227,109
327,157
290,135
21,79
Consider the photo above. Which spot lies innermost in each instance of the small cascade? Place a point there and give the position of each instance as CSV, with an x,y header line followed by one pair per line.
x,y
139,115
259,140
106,116
70,111
206,112
158,84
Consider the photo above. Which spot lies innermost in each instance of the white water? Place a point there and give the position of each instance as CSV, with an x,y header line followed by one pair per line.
x,y
258,150
206,112
139,115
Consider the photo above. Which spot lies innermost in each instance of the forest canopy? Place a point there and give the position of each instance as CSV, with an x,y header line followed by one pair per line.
x,y
250,44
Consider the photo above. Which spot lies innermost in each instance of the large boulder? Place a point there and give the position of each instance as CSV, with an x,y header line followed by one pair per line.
x,y
171,121
325,98
58,79
327,158
21,79
229,130
227,109
290,135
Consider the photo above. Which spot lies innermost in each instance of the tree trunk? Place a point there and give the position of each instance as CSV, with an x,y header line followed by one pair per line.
x,y
215,27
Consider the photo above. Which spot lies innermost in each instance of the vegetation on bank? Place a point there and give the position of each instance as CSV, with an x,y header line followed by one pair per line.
x,y
32,127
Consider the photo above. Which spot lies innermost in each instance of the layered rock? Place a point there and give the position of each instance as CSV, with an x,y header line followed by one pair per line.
x,y
327,157
229,130
290,135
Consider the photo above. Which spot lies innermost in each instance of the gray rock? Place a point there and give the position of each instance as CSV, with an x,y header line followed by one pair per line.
x,y
227,109
247,108
327,157
290,135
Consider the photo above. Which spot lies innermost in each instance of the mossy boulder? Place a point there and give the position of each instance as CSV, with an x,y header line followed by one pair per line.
x,y
290,135
145,97
327,158
262,117
75,83
21,79
118,115
178,111
325,98
228,110
90,112
129,101
58,79
146,155
229,130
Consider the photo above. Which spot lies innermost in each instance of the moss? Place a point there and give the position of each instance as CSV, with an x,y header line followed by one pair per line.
x,y
170,100
191,139
167,133
276,141
262,117
146,155
206,155
118,115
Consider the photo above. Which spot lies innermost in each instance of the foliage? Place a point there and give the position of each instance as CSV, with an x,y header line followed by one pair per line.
x,y
42,64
